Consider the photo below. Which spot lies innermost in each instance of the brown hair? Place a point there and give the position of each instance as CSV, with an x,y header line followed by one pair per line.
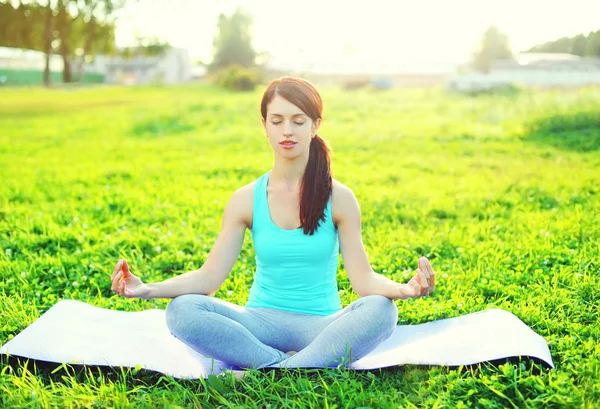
x,y
317,183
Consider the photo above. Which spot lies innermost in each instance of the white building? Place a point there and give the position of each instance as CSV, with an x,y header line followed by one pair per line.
x,y
20,59
172,67
381,71
532,69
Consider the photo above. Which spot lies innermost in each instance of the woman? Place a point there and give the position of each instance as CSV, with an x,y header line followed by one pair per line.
x,y
300,218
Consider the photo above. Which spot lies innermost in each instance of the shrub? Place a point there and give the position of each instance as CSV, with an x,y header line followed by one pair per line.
x,y
237,78
356,83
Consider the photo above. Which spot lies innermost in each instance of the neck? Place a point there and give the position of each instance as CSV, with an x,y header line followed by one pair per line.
x,y
289,172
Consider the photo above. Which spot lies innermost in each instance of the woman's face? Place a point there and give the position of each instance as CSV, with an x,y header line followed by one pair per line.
x,y
288,128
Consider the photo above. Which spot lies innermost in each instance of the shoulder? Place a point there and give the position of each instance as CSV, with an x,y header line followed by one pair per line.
x,y
343,202
242,202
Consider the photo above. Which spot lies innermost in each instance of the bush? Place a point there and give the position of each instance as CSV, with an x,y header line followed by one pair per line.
x,y
237,78
356,83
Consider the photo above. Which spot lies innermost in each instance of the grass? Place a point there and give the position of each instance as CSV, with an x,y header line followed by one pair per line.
x,y
500,192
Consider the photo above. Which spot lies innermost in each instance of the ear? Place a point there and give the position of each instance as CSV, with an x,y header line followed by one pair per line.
x,y
316,125
264,124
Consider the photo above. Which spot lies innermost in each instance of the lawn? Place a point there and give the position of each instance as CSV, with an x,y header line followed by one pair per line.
x,y
501,192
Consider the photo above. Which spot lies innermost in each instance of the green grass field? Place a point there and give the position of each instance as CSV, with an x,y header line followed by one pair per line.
x,y
501,192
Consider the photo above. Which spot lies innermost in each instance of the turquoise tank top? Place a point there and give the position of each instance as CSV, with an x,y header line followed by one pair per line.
x,y
294,272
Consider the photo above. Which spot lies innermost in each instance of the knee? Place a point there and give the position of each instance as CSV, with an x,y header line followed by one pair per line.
x,y
385,309
180,307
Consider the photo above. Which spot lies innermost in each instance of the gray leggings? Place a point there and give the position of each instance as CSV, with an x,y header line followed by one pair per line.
x,y
258,337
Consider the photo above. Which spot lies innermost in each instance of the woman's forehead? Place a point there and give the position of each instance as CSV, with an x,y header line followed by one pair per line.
x,y
282,107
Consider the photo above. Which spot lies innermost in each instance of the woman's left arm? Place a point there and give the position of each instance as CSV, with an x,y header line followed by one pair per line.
x,y
363,279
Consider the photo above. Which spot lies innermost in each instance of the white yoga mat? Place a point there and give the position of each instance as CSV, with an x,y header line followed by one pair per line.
x,y
74,332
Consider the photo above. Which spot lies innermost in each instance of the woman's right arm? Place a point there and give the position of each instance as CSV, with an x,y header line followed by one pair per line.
x,y
223,255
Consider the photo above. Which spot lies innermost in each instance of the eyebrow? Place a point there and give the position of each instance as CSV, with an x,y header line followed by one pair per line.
x,y
292,115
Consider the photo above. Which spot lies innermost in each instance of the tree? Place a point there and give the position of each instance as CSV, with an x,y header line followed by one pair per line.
x,y
47,41
578,45
80,28
30,26
233,41
593,44
493,45
21,25
86,15
95,31
145,46
584,46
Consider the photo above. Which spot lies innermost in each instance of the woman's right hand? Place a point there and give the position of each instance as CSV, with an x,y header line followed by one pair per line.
x,y
126,284
422,283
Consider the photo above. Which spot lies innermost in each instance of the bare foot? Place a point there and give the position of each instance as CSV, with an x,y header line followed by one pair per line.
x,y
290,353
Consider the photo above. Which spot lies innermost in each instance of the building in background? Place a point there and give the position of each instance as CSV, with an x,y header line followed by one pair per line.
x,y
356,70
174,66
532,69
26,67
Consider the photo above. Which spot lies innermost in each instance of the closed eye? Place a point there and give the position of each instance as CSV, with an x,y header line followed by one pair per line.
x,y
297,123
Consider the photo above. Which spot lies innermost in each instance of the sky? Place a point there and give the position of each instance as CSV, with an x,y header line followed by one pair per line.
x,y
322,35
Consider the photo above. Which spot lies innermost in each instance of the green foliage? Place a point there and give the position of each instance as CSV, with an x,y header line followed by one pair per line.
x,y
237,78
233,41
494,45
578,131
159,126
22,26
80,28
508,221
582,45
148,47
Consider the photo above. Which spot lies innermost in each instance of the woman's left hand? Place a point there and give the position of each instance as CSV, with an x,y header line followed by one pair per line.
x,y
422,283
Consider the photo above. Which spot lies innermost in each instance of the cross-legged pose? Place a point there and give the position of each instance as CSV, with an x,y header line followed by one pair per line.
x,y
300,219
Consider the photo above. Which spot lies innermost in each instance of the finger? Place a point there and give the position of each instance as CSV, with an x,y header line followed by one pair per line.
x,y
126,268
117,269
425,287
431,273
116,284
113,285
115,281
425,267
422,273
423,263
424,281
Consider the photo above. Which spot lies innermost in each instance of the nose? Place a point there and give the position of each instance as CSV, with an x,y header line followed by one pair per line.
x,y
287,129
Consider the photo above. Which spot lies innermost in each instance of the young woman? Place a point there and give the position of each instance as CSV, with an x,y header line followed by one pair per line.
x,y
300,218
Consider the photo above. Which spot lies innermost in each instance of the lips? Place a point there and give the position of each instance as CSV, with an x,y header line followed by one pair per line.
x,y
288,143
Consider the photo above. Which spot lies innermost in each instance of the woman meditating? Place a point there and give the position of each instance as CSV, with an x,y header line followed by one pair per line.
x,y
300,219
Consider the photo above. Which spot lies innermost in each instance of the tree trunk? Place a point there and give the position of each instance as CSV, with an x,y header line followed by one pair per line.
x,y
88,45
67,76
64,31
48,44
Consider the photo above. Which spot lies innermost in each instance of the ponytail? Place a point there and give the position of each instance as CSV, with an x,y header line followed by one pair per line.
x,y
317,185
